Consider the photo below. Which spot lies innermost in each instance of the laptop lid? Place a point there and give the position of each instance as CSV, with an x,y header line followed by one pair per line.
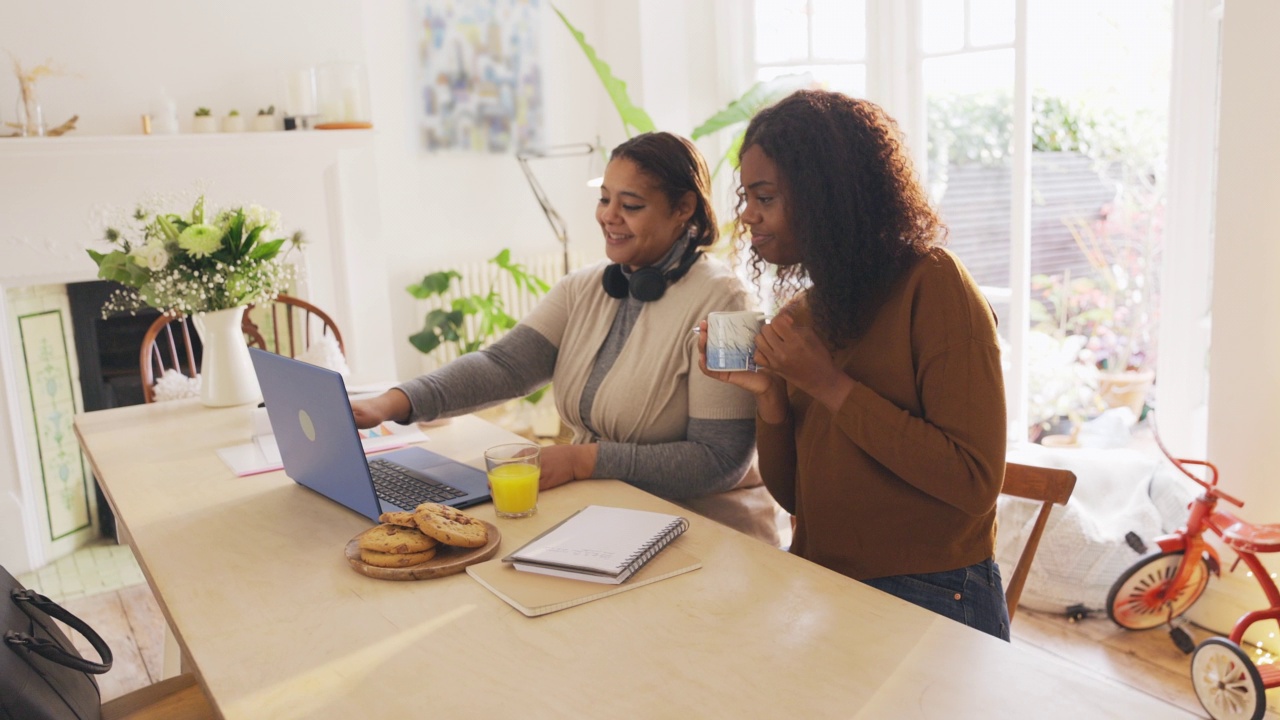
x,y
320,445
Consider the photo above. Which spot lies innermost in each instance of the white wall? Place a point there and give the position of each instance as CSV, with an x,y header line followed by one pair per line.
x,y
442,209
1244,373
436,209
119,55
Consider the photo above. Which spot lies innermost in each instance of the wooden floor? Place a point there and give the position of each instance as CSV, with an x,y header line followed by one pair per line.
x,y
130,621
1147,660
133,626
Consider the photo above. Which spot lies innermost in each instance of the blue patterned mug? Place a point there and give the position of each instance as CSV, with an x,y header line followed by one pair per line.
x,y
731,340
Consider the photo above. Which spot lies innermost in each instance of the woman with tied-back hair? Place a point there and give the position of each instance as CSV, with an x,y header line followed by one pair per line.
x,y
880,401
614,340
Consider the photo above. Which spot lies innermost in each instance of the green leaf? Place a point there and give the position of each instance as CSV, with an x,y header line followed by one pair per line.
x,y
731,155
502,259
167,227
533,397
633,117
266,250
250,241
234,236
425,340
434,284
96,256
465,305
757,97
121,268
197,212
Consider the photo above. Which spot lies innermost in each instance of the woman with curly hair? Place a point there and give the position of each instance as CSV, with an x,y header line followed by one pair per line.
x,y
880,402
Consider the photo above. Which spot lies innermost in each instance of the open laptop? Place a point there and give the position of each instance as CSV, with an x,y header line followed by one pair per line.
x,y
320,446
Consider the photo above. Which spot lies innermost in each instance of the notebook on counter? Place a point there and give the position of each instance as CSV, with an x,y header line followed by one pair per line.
x,y
599,544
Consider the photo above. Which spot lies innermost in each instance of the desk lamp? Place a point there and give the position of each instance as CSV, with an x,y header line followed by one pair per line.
x,y
553,218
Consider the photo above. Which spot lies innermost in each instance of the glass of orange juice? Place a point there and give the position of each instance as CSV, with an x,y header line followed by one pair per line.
x,y
514,470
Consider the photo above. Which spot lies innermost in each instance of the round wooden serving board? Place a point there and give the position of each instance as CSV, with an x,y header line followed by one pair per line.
x,y
448,560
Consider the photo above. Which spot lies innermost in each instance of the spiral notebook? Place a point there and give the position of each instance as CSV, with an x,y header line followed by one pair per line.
x,y
599,544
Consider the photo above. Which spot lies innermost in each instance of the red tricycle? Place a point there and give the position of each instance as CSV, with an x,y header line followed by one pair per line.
x,y
1163,585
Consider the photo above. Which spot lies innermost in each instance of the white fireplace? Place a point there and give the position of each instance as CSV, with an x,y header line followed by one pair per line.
x,y
57,193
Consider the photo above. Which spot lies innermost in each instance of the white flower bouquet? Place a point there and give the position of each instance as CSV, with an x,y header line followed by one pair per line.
x,y
199,262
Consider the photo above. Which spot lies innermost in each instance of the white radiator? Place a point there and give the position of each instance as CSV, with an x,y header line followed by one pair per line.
x,y
477,279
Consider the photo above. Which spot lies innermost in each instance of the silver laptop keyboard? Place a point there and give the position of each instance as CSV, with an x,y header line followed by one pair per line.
x,y
395,485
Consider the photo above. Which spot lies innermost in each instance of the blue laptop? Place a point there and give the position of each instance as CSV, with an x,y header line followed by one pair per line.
x,y
320,446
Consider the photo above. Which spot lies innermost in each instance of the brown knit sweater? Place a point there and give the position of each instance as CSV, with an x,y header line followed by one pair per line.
x,y
904,478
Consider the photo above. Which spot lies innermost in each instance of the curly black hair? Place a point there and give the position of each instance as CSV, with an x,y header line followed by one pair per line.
x,y
853,203
678,167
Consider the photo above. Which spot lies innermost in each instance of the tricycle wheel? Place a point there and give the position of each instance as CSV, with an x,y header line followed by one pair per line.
x,y
1141,598
1226,682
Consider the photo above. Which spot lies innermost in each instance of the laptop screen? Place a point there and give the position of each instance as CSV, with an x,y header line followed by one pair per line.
x,y
315,430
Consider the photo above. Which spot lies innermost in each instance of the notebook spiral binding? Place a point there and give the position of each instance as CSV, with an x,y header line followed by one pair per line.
x,y
672,531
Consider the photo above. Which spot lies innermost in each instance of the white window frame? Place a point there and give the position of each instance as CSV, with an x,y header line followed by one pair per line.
x,y
894,65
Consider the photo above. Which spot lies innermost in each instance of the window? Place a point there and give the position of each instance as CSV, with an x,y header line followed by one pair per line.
x,y
1099,83
826,39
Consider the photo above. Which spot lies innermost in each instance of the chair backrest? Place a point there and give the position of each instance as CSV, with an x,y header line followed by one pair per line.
x,y
172,343
168,345
288,326
1048,486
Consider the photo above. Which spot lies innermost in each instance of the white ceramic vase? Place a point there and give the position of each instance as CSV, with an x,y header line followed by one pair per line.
x,y
226,372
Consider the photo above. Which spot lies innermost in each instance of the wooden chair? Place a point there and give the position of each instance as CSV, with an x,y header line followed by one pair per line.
x,y
288,326
178,698
1048,486
168,345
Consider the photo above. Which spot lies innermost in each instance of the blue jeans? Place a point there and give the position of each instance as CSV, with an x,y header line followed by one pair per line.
x,y
971,595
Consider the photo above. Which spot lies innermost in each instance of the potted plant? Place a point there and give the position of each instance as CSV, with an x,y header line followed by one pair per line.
x,y
206,263
265,120
1116,304
1060,384
233,123
204,122
467,323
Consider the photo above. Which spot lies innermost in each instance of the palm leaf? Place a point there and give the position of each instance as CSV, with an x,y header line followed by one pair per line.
x,y
633,117
731,154
758,96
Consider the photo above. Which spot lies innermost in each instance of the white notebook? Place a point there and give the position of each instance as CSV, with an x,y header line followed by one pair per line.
x,y
599,543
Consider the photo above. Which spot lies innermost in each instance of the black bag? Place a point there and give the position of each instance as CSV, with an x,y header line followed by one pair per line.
x,y
42,677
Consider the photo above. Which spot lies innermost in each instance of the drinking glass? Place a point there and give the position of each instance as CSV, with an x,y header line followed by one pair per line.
x,y
514,469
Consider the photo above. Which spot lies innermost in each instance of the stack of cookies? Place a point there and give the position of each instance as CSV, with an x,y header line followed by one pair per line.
x,y
405,539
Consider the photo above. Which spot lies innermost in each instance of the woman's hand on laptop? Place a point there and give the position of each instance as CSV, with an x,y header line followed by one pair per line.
x,y
390,405
566,463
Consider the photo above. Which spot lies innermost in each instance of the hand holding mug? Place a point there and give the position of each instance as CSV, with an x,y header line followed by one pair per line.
x,y
754,382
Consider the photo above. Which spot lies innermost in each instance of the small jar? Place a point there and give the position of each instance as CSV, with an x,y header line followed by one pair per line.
x,y
204,124
342,97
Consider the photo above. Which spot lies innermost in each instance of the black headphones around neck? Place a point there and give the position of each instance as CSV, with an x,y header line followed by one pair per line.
x,y
648,283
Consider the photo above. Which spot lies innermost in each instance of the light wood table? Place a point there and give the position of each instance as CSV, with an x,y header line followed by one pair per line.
x,y
251,577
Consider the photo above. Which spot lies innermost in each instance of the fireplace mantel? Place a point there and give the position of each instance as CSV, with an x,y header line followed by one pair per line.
x,y
59,193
